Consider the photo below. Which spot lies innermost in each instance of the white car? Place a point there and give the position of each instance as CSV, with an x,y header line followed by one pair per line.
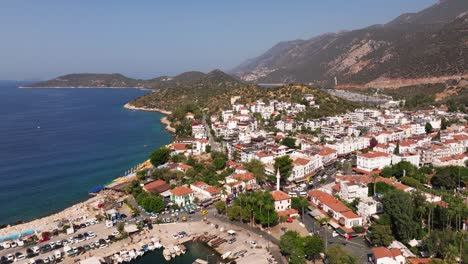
x,y
35,250
115,233
19,257
103,246
253,243
91,234
10,257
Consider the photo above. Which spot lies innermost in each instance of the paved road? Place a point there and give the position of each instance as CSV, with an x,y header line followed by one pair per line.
x,y
356,246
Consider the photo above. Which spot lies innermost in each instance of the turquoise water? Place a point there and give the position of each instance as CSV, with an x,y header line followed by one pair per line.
x,y
56,144
195,250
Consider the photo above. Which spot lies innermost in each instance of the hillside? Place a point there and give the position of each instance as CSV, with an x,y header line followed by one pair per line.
x,y
409,50
193,87
89,80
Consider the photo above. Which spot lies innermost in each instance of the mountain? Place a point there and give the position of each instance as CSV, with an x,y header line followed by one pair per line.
x,y
425,47
89,80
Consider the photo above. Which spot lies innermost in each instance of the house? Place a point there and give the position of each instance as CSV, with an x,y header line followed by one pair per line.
x,y
200,146
178,148
350,190
413,158
199,131
189,116
182,196
283,204
341,215
383,255
369,206
328,155
158,186
239,183
371,161
206,190
455,160
302,167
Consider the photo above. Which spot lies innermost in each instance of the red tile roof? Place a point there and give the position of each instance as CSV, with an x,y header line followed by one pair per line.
x,y
382,252
158,186
326,151
332,203
279,196
244,176
287,212
181,191
374,154
179,146
301,161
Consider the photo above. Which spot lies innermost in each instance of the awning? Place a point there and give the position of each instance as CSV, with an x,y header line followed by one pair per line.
x,y
340,231
334,225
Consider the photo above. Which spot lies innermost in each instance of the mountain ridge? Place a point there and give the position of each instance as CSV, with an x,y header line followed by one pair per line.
x,y
429,43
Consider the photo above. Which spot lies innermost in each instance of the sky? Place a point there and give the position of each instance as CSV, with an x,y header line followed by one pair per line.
x,y
42,39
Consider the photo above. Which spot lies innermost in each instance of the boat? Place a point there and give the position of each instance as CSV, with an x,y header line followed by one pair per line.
x,y
119,259
145,248
177,250
157,245
226,255
127,259
131,254
167,254
172,251
151,246
183,249
140,253
200,261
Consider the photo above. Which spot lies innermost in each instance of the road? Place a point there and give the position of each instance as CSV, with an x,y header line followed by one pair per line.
x,y
216,146
356,246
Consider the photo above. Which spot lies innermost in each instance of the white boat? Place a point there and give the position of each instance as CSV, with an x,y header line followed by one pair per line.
x,y
132,254
226,255
172,251
151,246
182,248
119,259
177,250
167,254
127,259
157,245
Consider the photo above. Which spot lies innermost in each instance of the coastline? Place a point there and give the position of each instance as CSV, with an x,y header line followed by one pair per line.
x,y
163,120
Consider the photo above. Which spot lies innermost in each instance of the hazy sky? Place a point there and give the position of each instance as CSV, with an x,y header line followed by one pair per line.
x,y
41,39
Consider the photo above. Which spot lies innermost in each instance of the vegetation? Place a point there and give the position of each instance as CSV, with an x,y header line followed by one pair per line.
x,y
160,156
150,202
257,168
336,254
299,203
254,206
298,248
284,164
289,142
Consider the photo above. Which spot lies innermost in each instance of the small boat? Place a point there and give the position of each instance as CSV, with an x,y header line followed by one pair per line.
x,y
157,245
183,249
177,250
131,254
226,255
172,251
119,259
145,248
167,254
127,259
151,246
200,261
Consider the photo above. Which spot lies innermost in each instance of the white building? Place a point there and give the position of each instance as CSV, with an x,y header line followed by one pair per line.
x,y
351,190
383,255
182,196
373,161
368,206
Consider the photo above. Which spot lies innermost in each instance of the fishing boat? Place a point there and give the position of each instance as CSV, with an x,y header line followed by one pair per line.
x,y
226,255
167,254
172,251
177,250
183,249
151,246
157,245
131,254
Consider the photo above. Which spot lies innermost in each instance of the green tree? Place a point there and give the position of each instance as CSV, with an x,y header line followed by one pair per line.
x,y
396,205
208,148
443,123
160,156
289,142
120,227
219,163
396,151
220,207
257,168
289,241
234,212
428,128
284,164
380,234
347,167
336,254
313,246
298,203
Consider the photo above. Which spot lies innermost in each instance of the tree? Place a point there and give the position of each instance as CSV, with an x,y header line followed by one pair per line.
x,y
257,168
373,142
160,156
313,246
381,234
120,227
396,151
289,142
336,254
219,163
299,203
284,164
443,123
347,167
436,137
396,205
288,241
428,128
234,212
220,207
208,148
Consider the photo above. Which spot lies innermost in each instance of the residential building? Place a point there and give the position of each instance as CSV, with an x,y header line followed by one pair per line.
x,y
182,196
368,162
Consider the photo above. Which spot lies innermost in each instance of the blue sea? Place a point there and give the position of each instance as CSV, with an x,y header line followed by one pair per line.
x,y
56,144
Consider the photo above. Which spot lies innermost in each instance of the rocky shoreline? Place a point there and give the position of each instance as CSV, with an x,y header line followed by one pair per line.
x,y
163,120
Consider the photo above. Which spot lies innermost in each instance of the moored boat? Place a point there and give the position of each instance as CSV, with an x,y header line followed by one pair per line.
x,y
167,254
